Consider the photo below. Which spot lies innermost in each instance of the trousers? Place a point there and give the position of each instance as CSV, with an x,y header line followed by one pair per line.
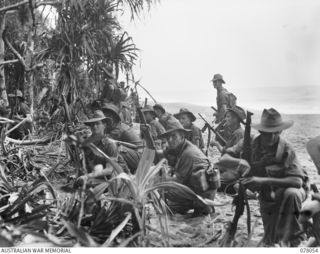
x,y
280,217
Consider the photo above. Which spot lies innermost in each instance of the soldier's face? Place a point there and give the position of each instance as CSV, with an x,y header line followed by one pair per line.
x,y
175,139
148,116
158,112
231,119
269,138
98,128
185,120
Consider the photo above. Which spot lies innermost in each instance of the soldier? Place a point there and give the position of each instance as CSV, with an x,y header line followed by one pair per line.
x,y
187,118
234,117
98,125
225,99
190,169
279,178
156,128
165,118
122,132
19,112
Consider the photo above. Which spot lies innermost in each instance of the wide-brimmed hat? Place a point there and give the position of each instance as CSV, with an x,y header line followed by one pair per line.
x,y
18,93
97,116
218,77
187,112
313,148
171,127
159,106
239,112
271,121
109,107
148,108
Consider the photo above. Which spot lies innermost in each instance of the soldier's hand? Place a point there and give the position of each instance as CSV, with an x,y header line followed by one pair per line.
x,y
268,160
316,196
144,127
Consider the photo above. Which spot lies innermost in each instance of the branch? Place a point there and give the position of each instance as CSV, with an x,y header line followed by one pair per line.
x,y
17,5
13,6
14,51
9,62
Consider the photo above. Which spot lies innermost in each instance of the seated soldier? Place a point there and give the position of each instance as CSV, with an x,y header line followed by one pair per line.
x,y
165,118
98,125
122,132
20,111
189,169
187,118
234,117
156,128
279,178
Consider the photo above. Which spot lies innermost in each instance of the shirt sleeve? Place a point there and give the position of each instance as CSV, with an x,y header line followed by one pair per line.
x,y
291,163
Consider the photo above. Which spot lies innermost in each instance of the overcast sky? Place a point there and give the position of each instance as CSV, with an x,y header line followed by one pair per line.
x,y
253,43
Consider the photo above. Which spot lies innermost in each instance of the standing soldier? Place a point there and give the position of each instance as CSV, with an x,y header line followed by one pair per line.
x,y
187,118
225,99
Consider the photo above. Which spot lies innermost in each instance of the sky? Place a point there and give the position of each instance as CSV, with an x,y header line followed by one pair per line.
x,y
267,50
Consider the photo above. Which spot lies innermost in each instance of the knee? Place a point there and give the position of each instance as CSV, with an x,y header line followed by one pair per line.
x,y
292,194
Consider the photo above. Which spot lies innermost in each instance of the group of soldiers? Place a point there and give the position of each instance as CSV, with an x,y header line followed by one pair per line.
x,y
279,178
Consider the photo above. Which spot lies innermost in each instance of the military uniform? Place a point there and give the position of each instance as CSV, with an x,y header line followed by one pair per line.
x,y
279,206
106,146
124,133
167,119
189,159
222,99
195,136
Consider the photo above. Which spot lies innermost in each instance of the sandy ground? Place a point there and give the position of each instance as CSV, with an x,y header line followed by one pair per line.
x,y
201,231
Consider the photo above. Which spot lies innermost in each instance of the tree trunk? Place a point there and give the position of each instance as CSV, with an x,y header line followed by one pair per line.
x,y
3,94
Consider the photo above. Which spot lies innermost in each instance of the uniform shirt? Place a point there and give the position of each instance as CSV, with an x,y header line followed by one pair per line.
x,y
105,145
166,119
189,159
286,162
126,134
222,99
156,129
195,136
235,137
23,109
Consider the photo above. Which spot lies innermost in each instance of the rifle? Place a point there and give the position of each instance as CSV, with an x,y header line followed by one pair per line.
x,y
214,109
213,130
149,139
241,200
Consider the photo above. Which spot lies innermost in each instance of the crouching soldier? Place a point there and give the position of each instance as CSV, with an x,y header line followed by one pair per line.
x,y
122,132
96,164
279,179
234,117
191,168
187,119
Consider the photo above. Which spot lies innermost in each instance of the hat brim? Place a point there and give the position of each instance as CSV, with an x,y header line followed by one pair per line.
x,y
148,110
236,113
113,113
282,126
167,133
93,120
192,116
212,80
159,107
313,148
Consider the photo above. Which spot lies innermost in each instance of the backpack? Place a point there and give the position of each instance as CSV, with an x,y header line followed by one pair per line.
x,y
232,100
